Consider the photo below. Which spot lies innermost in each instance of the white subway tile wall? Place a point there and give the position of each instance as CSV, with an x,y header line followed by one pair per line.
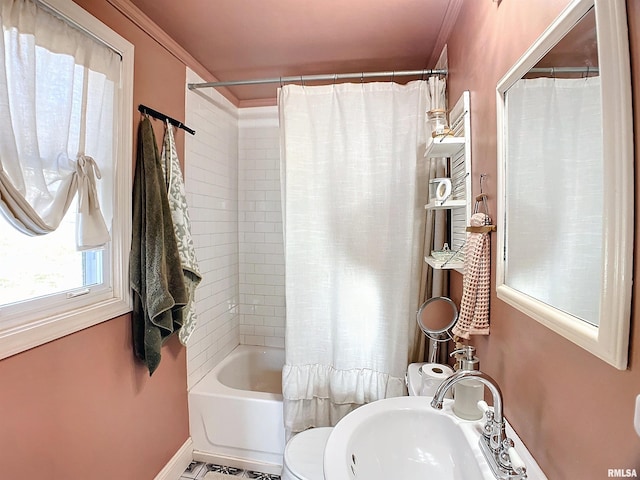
x,y
260,240
232,177
211,179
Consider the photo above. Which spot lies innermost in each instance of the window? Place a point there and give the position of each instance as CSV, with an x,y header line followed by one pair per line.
x,y
39,267
48,288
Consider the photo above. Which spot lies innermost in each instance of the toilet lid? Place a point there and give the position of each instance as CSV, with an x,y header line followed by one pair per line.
x,y
304,453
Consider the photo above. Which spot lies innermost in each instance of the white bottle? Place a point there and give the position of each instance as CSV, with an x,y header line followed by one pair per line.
x,y
467,393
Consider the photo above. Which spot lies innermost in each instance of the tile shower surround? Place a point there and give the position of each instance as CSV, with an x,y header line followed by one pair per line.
x,y
232,179
211,182
260,241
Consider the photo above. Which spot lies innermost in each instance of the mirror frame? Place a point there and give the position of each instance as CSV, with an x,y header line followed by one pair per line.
x,y
437,335
610,340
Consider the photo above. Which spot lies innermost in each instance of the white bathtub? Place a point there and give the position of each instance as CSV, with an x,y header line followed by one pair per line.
x,y
235,411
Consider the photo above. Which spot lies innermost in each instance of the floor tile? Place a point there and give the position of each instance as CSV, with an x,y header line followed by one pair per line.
x,y
198,470
193,470
262,476
213,467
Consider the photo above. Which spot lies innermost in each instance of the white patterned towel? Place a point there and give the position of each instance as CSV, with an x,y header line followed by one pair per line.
x,y
182,227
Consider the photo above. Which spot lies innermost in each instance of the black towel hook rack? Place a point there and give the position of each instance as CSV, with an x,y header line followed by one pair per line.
x,y
161,116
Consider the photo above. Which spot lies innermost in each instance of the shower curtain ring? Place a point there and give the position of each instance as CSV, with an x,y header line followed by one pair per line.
x,y
335,78
361,77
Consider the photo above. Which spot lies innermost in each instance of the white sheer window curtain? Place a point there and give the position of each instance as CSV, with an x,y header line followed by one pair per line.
x,y
353,187
565,178
57,88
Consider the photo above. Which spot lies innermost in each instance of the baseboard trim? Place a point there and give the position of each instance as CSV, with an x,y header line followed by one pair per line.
x,y
178,463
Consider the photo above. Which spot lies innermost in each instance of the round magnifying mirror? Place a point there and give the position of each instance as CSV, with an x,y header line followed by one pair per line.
x,y
436,316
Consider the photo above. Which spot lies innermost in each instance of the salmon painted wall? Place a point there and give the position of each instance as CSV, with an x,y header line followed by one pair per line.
x,y
573,411
82,406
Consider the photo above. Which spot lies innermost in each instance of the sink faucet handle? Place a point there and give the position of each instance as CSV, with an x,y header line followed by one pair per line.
x,y
516,462
510,459
487,429
503,454
486,409
484,406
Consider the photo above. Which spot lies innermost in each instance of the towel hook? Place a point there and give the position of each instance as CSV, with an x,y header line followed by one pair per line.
x,y
483,198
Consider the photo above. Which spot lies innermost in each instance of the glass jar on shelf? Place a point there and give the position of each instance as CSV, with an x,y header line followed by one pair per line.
x,y
437,122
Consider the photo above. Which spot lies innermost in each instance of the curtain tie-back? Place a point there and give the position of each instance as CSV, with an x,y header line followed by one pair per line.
x,y
88,170
91,231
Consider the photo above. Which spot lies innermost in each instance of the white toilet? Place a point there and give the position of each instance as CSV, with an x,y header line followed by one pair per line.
x,y
304,454
414,379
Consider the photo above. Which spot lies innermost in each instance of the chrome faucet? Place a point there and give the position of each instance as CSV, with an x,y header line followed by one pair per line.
x,y
497,448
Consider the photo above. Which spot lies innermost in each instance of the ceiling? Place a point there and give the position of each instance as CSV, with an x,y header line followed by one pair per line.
x,y
251,39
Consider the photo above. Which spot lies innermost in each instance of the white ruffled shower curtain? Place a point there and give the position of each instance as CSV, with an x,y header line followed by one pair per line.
x,y
354,186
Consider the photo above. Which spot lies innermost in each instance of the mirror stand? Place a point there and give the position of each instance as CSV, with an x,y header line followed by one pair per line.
x,y
436,317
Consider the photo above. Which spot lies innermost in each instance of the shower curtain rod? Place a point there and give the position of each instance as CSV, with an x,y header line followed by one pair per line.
x,y
314,78
554,70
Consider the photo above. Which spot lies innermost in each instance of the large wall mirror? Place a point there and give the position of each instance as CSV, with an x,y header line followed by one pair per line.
x,y
565,176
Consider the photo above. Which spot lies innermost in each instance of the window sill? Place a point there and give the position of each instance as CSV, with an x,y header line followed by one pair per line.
x,y
33,334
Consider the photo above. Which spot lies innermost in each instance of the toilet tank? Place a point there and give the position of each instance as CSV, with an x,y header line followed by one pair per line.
x,y
431,372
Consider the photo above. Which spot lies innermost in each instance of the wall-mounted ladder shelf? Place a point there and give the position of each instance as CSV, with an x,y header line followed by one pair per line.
x,y
447,146
457,149
446,205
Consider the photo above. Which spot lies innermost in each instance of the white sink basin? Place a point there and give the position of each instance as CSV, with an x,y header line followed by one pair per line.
x,y
405,438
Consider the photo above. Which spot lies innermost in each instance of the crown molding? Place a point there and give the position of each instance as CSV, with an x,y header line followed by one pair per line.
x,y
449,21
142,21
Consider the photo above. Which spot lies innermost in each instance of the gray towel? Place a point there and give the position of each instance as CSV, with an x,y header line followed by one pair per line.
x,y
155,270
